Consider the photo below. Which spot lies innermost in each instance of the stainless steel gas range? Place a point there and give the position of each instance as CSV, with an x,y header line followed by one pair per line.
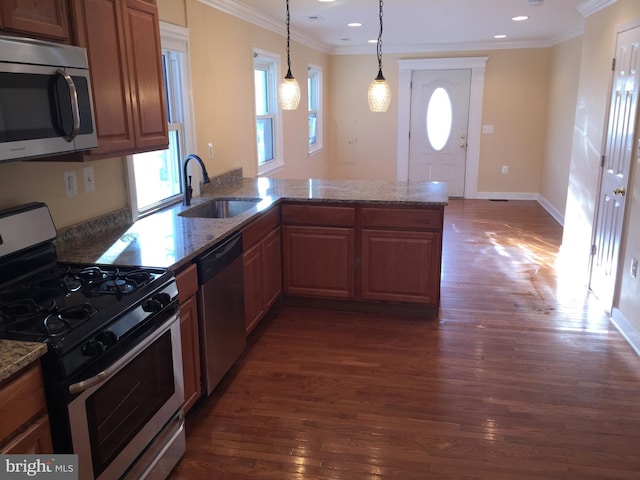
x,y
113,369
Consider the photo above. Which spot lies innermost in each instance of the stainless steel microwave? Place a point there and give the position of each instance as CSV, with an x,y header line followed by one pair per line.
x,y
46,106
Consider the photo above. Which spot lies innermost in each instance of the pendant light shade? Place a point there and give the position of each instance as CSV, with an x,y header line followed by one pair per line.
x,y
379,90
289,91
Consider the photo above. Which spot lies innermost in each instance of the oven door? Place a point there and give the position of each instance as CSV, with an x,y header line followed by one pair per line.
x,y
131,406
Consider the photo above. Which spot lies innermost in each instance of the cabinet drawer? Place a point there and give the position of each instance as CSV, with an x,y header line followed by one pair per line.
x,y
257,230
187,281
318,215
21,400
405,218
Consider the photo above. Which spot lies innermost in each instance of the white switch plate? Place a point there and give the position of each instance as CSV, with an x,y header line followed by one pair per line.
x,y
634,268
505,169
70,183
210,145
487,129
88,179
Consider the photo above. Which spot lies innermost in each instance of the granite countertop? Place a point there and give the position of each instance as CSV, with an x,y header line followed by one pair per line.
x,y
15,355
168,240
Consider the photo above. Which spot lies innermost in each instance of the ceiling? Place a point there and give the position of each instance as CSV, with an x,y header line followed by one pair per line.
x,y
418,25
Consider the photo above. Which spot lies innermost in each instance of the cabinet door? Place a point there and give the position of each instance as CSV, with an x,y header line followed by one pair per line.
x,y
101,31
146,75
272,252
254,288
318,261
44,18
190,352
401,266
33,441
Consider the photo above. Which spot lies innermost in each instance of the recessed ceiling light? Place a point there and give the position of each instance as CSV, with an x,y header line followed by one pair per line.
x,y
500,36
373,41
354,24
520,18
326,1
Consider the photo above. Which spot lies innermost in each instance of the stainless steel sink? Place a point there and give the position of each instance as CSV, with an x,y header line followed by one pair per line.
x,y
221,208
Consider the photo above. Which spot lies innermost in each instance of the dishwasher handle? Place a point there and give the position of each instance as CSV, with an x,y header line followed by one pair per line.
x,y
216,259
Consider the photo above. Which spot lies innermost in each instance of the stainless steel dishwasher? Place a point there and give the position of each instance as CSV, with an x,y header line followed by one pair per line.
x,y
221,309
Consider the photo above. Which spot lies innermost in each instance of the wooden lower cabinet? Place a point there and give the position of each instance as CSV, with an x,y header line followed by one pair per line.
x,y
187,281
35,440
318,261
363,254
400,266
401,252
262,267
25,424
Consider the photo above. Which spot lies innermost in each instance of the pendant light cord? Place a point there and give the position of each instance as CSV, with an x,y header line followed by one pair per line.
x,y
289,75
379,47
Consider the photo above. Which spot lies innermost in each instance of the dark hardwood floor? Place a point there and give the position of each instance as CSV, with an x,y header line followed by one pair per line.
x,y
521,377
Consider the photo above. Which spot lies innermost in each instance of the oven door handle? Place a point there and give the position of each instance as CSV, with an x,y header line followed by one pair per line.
x,y
121,362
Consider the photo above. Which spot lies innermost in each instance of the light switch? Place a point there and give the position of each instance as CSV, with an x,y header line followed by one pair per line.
x,y
88,179
487,129
70,183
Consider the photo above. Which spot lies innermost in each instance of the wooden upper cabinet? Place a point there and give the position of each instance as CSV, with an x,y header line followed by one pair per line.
x,y
122,39
40,18
146,75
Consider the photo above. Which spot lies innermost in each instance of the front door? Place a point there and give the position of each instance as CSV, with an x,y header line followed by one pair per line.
x,y
438,128
617,163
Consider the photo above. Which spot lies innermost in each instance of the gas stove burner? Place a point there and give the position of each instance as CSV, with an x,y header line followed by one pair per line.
x,y
62,279
62,320
118,283
20,314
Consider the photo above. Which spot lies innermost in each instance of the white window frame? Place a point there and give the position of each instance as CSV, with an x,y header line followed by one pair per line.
x,y
315,99
173,38
271,62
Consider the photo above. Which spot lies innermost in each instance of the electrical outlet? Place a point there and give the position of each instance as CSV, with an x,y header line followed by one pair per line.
x,y
487,129
70,183
634,268
505,169
88,179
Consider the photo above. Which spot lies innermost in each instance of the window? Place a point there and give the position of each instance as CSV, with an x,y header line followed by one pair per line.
x,y
155,178
314,84
268,131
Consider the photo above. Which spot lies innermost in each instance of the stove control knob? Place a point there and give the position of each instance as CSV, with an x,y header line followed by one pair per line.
x,y
107,338
152,305
92,348
163,298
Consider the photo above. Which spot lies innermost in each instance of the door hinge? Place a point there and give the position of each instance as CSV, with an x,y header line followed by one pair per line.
x,y
613,65
593,249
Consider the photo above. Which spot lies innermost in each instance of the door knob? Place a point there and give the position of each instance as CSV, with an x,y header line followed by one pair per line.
x,y
619,191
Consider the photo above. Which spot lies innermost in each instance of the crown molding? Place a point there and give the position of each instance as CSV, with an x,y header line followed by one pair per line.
x,y
259,19
589,7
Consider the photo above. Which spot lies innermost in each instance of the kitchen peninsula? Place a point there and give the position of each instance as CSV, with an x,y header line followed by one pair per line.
x,y
330,243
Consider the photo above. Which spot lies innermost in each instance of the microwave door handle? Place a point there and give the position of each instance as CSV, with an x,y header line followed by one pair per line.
x,y
75,111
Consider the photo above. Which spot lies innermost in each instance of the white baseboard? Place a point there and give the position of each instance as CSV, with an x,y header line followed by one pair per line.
x,y
626,329
506,196
551,210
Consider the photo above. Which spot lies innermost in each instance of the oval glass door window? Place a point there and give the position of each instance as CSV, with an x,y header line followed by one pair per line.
x,y
439,118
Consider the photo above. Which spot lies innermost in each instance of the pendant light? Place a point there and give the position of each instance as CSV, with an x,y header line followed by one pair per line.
x,y
379,90
289,92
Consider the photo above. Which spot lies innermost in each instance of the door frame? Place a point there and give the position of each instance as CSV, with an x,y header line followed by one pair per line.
x,y
477,65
